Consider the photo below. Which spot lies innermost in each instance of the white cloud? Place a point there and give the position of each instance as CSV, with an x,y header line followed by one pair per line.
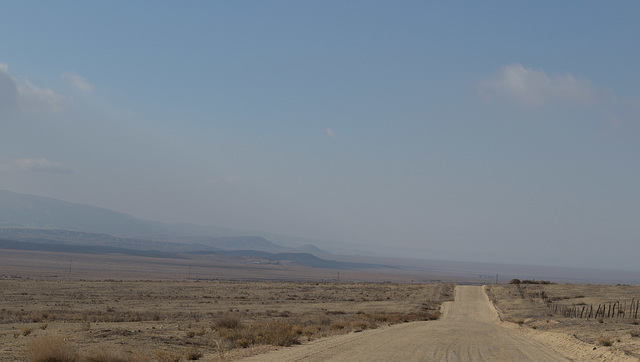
x,y
78,81
26,97
331,132
35,99
33,165
531,87
8,89
42,165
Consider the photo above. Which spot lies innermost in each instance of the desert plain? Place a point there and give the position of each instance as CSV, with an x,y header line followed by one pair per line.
x,y
124,308
113,320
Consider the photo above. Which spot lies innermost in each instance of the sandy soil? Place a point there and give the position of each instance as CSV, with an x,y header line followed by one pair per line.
x,y
469,330
528,313
165,320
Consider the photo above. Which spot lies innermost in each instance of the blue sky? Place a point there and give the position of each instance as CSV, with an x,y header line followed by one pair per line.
x,y
500,132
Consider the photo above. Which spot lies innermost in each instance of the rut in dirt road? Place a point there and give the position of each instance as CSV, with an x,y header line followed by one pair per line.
x,y
467,331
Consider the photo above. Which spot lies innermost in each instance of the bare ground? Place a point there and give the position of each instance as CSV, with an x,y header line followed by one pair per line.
x,y
169,320
469,330
525,310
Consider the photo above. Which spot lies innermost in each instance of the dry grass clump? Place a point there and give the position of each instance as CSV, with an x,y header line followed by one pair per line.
x,y
287,331
362,325
605,341
166,356
280,333
50,349
635,333
55,348
193,354
395,318
106,355
276,332
26,331
108,315
228,322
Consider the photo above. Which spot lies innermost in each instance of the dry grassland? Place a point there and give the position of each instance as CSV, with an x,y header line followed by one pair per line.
x,y
114,320
47,265
523,304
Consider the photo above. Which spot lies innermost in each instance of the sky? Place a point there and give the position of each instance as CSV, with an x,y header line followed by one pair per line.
x,y
487,131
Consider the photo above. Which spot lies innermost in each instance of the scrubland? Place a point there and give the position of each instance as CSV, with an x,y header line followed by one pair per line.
x,y
571,310
114,320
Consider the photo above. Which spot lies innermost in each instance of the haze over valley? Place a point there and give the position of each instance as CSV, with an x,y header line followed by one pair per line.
x,y
475,133
319,180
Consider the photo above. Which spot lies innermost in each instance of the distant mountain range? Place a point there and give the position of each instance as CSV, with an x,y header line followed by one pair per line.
x,y
28,211
28,217
37,223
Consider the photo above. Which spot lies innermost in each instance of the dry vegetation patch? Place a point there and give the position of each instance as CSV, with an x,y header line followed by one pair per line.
x,y
190,320
571,309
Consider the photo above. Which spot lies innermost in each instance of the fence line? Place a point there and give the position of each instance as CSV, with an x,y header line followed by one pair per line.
x,y
611,309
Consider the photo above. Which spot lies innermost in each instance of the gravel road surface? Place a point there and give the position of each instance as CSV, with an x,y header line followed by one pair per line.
x,y
467,331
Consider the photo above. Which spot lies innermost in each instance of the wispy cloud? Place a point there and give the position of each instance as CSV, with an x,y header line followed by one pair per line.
x,y
42,165
8,89
27,97
34,165
35,99
531,87
78,81
331,132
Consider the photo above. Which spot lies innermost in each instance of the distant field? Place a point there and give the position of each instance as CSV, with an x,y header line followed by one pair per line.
x,y
169,320
56,265
523,304
61,265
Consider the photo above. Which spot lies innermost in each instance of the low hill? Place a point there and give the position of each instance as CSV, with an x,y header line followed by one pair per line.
x,y
29,217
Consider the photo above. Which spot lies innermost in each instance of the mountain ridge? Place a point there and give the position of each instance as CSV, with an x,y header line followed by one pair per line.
x,y
26,217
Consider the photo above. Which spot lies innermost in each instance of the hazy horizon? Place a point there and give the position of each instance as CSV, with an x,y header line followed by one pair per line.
x,y
500,132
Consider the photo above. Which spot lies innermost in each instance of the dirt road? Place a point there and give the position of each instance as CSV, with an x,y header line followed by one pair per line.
x,y
467,331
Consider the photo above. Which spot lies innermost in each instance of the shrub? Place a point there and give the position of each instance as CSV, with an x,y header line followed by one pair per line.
x,y
514,281
605,341
193,354
164,356
362,325
50,349
238,337
277,333
26,331
635,333
311,330
280,333
527,281
228,322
